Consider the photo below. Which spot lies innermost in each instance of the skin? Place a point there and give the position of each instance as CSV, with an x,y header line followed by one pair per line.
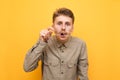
x,y
62,27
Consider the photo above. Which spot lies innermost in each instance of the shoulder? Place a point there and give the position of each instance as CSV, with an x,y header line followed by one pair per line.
x,y
78,42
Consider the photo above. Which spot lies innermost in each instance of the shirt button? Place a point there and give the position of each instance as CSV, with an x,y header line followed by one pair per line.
x,y
61,72
62,61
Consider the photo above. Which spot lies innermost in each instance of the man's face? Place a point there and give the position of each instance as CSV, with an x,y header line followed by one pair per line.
x,y
63,27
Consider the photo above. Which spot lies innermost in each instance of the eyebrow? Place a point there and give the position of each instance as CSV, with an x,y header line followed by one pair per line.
x,y
65,21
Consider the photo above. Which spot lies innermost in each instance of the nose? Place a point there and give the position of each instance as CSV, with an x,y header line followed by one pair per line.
x,y
63,27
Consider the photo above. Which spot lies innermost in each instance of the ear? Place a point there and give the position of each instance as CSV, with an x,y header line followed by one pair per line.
x,y
72,28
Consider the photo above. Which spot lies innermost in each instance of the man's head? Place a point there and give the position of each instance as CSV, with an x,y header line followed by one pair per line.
x,y
63,11
63,20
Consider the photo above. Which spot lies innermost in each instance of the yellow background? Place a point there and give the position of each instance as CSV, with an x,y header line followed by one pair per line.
x,y
96,21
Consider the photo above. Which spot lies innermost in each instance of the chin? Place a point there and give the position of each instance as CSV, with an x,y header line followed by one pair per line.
x,y
63,39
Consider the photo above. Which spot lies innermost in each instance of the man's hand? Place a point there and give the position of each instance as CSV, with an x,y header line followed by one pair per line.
x,y
46,34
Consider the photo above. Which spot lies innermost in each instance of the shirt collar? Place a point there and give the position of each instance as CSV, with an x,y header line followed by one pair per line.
x,y
59,44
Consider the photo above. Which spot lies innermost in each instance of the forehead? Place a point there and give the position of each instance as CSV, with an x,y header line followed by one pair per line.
x,y
63,18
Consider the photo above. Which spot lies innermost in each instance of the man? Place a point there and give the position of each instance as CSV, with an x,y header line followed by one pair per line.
x,y
63,56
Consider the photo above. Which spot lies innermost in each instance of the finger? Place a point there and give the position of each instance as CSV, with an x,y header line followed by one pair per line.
x,y
45,34
42,33
50,29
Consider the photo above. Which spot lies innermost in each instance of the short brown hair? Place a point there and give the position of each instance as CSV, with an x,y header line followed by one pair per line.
x,y
63,11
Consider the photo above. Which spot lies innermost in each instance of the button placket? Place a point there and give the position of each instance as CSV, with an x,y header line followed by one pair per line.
x,y
62,66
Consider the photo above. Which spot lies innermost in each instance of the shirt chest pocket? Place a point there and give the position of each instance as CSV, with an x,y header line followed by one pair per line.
x,y
51,63
72,65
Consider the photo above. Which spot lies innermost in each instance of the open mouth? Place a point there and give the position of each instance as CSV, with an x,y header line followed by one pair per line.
x,y
63,34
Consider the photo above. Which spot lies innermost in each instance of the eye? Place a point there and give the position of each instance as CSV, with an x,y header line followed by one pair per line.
x,y
59,23
67,23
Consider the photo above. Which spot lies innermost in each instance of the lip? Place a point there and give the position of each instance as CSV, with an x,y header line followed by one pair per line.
x,y
63,34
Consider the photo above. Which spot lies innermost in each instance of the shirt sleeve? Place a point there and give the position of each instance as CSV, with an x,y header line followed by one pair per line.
x,y
33,56
83,63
